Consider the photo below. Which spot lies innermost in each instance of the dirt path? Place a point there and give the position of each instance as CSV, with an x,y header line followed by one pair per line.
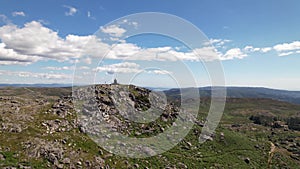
x,y
271,153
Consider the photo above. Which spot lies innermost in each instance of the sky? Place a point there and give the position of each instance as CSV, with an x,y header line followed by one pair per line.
x,y
254,43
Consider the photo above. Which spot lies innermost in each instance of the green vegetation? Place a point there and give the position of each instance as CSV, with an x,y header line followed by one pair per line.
x,y
294,123
237,142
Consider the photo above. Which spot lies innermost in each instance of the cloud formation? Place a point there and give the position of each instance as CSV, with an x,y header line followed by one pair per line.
x,y
234,53
124,67
219,42
128,67
71,10
89,15
18,13
9,55
34,42
286,49
266,49
113,30
60,68
287,46
160,72
69,68
36,75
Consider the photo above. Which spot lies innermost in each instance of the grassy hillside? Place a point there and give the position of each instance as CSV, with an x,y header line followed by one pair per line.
x,y
39,129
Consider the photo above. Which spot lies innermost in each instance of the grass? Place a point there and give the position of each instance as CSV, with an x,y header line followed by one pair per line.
x,y
238,144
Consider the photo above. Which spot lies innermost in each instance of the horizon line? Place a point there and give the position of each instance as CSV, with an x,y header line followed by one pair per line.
x,y
207,86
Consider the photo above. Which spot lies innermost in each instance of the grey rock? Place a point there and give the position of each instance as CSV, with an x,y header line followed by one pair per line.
x,y
149,151
2,157
181,165
52,158
206,137
60,166
88,164
99,160
247,160
66,161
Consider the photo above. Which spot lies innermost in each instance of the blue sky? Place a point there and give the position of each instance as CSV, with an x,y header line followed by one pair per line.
x,y
257,42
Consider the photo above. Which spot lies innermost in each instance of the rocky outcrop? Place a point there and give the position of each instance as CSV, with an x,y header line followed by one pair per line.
x,y
63,107
124,109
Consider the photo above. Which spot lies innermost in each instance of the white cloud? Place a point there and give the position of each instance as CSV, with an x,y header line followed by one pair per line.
x,y
35,42
87,60
72,11
287,46
60,68
25,74
266,49
128,51
83,68
128,67
117,40
124,67
2,62
219,42
160,72
89,15
33,39
205,53
9,55
18,13
135,24
286,49
233,53
285,53
248,48
123,51
113,30
251,49
71,68
44,75
215,41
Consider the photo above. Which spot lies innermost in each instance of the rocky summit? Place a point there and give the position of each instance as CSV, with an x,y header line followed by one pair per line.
x,y
130,110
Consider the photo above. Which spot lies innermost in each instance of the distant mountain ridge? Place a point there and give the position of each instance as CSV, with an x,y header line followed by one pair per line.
x,y
36,85
246,92
232,92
